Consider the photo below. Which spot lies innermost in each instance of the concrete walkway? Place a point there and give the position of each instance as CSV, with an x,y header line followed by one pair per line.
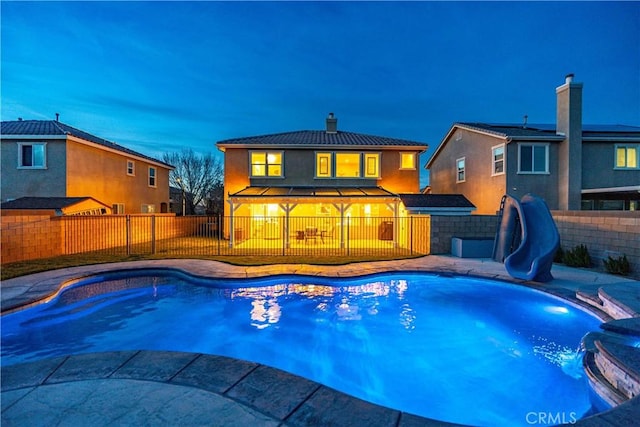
x,y
167,388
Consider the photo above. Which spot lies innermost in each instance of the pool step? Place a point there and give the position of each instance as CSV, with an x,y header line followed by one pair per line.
x,y
610,300
612,380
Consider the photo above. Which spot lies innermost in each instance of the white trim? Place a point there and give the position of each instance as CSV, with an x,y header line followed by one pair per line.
x,y
378,166
464,170
415,160
21,160
266,163
155,177
330,165
611,189
133,167
546,158
504,159
616,147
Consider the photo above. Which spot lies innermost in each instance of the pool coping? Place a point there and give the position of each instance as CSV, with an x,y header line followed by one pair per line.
x,y
26,290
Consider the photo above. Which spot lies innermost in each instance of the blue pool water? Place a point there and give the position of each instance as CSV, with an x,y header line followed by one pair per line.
x,y
466,350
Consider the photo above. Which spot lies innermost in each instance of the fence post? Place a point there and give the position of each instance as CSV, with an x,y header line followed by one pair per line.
x,y
153,234
128,234
411,234
219,231
348,237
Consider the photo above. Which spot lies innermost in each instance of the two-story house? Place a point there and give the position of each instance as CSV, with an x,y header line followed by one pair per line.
x,y
571,165
323,173
47,158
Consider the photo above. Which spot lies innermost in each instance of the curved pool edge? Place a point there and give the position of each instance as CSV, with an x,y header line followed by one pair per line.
x,y
32,289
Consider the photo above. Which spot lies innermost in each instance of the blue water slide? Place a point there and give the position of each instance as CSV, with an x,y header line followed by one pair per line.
x,y
539,239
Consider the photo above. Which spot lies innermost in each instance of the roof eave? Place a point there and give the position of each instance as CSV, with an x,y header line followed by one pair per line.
x,y
421,148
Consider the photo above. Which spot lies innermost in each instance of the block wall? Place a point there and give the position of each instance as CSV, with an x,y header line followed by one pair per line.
x,y
443,228
605,233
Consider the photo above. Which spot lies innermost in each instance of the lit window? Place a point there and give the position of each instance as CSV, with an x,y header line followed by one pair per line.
x,y
372,165
533,158
152,176
460,167
497,154
32,156
148,208
323,165
348,165
131,167
627,156
407,160
266,163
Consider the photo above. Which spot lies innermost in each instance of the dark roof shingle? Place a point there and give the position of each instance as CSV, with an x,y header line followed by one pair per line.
x,y
55,128
436,201
313,137
42,202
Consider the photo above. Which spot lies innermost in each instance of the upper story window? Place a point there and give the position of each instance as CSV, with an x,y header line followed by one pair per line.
x,y
144,208
461,170
407,160
533,158
497,162
131,167
627,156
323,165
32,156
348,165
371,165
266,163
152,176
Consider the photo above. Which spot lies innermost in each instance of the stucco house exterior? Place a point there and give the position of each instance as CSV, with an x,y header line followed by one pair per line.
x,y
47,158
316,173
571,165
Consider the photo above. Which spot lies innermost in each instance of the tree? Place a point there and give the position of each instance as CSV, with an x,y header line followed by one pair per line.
x,y
197,176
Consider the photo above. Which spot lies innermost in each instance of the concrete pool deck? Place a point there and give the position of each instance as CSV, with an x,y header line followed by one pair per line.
x,y
168,388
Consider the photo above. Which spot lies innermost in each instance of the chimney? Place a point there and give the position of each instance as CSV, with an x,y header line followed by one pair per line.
x,y
57,117
332,124
569,125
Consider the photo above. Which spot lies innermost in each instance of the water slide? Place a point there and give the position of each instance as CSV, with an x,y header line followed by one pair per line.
x,y
527,238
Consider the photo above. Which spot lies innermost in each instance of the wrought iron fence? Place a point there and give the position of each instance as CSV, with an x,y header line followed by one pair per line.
x,y
222,236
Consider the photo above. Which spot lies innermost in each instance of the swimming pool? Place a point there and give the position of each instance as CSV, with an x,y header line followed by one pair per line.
x,y
460,349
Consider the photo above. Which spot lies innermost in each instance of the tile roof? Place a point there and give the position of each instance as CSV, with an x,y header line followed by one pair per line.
x,y
517,130
322,138
55,128
436,201
42,202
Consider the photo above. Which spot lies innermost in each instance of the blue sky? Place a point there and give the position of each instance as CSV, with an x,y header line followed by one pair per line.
x,y
161,76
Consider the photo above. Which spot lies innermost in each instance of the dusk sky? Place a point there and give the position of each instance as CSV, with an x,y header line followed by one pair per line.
x,y
160,76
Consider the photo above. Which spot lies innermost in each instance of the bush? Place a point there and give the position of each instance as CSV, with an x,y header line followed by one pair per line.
x,y
559,256
618,265
578,257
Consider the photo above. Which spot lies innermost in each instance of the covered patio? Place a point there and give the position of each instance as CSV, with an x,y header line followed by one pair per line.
x,y
314,217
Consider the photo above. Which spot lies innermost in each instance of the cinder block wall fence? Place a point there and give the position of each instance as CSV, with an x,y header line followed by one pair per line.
x,y
604,233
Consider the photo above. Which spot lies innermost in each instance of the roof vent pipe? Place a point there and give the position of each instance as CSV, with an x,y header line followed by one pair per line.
x,y
524,124
57,117
332,124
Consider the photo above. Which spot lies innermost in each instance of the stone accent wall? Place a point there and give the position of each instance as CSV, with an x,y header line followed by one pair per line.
x,y
443,228
604,233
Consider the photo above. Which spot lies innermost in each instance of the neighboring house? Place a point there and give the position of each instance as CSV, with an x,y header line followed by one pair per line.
x,y
54,206
571,165
47,158
326,173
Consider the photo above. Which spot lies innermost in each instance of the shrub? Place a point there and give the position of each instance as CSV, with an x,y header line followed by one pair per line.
x,y
618,265
559,256
578,257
